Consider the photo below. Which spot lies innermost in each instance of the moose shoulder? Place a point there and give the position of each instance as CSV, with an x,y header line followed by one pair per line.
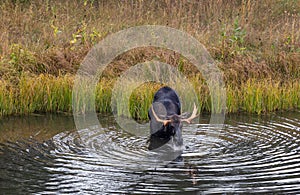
x,y
166,118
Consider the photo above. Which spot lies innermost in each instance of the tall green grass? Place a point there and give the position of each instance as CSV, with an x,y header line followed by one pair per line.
x,y
263,96
7,98
45,93
141,99
103,96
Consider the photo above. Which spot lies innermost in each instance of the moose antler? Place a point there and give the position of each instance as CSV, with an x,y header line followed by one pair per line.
x,y
194,115
165,122
188,120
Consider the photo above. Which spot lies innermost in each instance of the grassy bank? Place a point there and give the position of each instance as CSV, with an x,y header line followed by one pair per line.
x,y
255,44
45,93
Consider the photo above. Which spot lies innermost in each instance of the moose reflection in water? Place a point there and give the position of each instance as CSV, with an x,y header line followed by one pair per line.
x,y
166,119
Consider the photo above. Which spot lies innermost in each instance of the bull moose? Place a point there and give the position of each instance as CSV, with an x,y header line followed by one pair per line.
x,y
166,118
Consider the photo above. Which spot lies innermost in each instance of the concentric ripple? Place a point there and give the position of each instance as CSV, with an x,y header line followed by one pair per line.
x,y
251,155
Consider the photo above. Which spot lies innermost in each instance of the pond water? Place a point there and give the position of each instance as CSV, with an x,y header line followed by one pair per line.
x,y
45,154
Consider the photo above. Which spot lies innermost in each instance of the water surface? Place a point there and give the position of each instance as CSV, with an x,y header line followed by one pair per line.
x,y
46,154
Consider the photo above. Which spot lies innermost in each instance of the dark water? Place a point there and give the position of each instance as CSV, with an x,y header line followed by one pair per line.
x,y
45,154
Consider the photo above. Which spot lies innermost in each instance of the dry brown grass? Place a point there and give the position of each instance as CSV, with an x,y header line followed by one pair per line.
x,y
56,35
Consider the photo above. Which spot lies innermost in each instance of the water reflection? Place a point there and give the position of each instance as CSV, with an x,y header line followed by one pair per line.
x,y
36,126
45,154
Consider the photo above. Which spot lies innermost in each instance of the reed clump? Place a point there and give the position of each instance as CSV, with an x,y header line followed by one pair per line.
x,y
263,96
42,93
